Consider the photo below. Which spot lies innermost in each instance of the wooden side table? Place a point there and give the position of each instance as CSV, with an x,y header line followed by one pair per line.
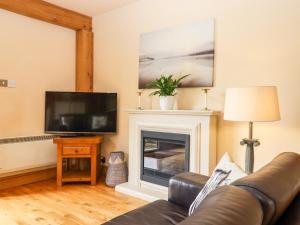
x,y
76,148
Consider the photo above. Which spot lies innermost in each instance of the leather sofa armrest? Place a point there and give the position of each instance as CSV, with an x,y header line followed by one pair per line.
x,y
184,187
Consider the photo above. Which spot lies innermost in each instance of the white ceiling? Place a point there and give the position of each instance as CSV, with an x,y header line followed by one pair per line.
x,y
91,7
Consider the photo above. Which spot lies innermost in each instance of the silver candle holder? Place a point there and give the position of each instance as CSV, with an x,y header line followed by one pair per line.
x,y
205,90
139,93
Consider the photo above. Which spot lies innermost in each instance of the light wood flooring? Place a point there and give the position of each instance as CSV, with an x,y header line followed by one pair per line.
x,y
72,204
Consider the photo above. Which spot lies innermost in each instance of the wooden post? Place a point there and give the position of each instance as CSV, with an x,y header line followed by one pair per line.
x,y
84,60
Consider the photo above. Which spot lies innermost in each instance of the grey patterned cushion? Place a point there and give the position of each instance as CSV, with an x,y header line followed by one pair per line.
x,y
214,181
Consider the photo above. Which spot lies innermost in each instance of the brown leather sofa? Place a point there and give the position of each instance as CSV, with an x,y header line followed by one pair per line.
x,y
269,196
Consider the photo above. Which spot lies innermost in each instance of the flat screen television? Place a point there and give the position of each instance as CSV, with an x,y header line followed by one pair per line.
x,y
80,113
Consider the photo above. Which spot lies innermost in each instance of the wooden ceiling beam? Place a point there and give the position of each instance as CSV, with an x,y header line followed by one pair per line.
x,y
48,12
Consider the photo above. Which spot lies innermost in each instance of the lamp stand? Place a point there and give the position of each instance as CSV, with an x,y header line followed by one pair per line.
x,y
251,143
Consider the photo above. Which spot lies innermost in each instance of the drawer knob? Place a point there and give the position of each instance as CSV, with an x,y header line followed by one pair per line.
x,y
76,151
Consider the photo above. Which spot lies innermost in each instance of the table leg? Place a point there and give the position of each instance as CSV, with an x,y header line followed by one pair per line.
x,y
59,166
94,166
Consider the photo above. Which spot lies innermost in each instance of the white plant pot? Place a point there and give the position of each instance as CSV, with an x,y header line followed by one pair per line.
x,y
166,102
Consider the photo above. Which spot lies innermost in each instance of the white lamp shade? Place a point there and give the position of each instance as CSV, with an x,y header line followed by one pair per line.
x,y
252,104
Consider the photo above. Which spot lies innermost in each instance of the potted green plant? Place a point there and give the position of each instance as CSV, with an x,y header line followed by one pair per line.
x,y
166,86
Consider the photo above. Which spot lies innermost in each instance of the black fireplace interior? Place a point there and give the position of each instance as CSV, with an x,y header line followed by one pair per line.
x,y
163,156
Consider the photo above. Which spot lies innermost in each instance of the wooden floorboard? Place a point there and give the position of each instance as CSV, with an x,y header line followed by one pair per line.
x,y
44,203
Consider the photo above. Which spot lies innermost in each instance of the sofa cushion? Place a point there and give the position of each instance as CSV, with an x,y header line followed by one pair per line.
x,y
227,164
227,205
214,181
159,212
275,185
292,215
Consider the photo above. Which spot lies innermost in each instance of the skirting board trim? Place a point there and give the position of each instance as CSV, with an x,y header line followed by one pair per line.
x,y
27,176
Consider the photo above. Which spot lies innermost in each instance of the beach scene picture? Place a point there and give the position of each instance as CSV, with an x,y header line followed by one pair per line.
x,y
186,49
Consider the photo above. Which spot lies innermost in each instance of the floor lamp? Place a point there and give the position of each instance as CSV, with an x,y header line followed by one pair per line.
x,y
251,104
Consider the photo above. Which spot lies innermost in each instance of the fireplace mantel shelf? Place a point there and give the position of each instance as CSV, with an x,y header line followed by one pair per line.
x,y
173,112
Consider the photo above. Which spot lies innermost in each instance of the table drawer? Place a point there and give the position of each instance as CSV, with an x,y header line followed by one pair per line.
x,y
76,150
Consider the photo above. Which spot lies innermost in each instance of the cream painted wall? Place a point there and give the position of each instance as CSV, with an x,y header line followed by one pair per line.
x,y
257,43
40,57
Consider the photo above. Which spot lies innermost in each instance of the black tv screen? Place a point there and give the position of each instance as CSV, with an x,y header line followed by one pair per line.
x,y
77,112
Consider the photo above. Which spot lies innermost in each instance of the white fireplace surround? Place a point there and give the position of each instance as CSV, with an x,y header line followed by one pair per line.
x,y
200,125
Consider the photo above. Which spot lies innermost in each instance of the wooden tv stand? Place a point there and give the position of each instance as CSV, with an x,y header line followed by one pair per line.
x,y
77,148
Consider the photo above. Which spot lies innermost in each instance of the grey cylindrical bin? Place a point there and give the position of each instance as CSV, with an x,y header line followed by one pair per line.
x,y
117,172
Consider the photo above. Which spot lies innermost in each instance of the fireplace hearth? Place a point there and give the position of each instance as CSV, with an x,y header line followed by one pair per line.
x,y
163,156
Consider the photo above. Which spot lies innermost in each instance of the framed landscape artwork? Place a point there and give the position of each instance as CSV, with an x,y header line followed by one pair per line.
x,y
187,49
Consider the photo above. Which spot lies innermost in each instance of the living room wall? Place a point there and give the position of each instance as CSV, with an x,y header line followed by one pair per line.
x,y
257,43
40,57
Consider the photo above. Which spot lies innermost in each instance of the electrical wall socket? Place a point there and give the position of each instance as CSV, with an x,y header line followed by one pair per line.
x,y
8,83
11,83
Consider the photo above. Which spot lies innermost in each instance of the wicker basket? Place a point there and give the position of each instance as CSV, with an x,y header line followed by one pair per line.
x,y
117,172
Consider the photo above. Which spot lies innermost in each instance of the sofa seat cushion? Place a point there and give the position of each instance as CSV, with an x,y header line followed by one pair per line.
x,y
159,212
